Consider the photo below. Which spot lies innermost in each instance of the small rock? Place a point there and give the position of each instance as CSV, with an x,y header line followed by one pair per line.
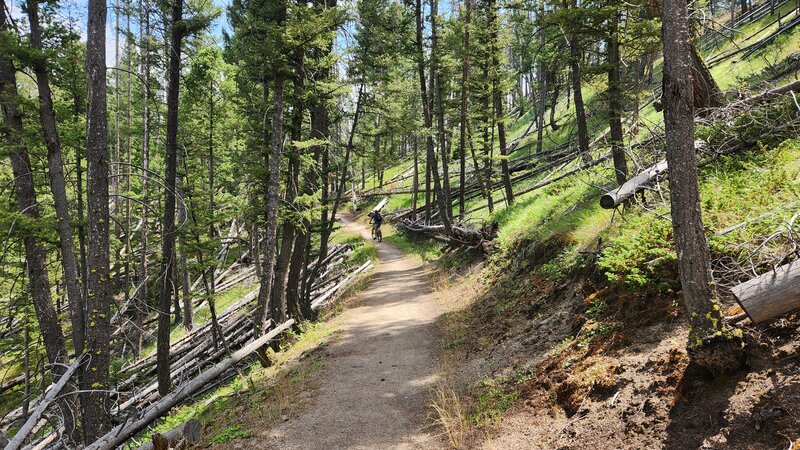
x,y
285,417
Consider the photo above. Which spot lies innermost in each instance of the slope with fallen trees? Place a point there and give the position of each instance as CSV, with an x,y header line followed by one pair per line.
x,y
198,362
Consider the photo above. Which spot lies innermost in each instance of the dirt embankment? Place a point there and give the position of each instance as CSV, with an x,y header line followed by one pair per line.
x,y
543,363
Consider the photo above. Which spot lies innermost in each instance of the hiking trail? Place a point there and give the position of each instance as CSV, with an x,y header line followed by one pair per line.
x,y
379,368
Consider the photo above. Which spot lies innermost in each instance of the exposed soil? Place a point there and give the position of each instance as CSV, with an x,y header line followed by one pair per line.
x,y
379,369
630,386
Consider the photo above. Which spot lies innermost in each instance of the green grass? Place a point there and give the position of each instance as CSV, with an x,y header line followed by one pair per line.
x,y
492,402
733,74
424,249
232,433
639,249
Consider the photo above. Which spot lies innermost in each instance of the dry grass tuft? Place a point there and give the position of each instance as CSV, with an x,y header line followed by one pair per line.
x,y
448,412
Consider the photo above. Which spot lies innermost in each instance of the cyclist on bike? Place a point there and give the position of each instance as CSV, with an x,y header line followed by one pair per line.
x,y
376,219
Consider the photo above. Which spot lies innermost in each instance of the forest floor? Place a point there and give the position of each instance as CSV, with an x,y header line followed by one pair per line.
x,y
542,377
379,369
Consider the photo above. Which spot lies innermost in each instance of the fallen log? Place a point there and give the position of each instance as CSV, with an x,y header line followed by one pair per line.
x,y
191,358
122,432
52,393
771,294
629,188
323,299
794,86
184,435
461,236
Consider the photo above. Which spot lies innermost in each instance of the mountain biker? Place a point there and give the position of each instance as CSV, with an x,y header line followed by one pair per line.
x,y
376,219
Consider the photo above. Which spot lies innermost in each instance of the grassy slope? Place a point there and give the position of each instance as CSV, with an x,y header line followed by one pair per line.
x,y
567,321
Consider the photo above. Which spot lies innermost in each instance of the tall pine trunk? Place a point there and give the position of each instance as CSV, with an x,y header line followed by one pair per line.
x,y
462,139
58,184
440,126
711,343
498,100
264,311
426,107
143,289
182,278
168,230
96,418
615,101
580,110
35,254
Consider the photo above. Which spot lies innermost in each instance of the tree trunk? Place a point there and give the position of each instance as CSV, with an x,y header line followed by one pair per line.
x,y
711,343
707,93
462,144
542,93
615,102
554,102
415,180
440,127
168,231
498,100
143,290
580,113
35,255
426,107
96,418
263,312
488,146
290,227
182,279
58,185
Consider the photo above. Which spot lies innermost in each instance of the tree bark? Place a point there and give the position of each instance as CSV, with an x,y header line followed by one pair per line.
x,y
25,196
707,93
615,101
440,126
263,312
143,290
415,180
498,100
462,143
426,107
96,419
58,184
289,228
182,268
168,231
580,112
540,110
711,343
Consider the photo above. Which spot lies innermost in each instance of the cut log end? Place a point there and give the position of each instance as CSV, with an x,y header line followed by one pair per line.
x,y
607,202
771,294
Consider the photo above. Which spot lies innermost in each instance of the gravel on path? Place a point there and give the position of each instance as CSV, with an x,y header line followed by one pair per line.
x,y
379,371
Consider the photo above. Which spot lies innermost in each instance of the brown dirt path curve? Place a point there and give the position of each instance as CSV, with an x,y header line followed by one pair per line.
x,y
379,370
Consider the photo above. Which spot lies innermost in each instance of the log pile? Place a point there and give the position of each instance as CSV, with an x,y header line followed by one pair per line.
x,y
198,363
463,237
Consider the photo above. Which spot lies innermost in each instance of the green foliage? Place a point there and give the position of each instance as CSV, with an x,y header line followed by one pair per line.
x,y
597,330
232,433
367,251
424,249
641,254
492,402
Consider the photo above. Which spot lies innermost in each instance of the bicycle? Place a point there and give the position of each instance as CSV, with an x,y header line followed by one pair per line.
x,y
376,234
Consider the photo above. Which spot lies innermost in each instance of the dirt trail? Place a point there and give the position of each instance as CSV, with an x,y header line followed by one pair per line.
x,y
379,371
